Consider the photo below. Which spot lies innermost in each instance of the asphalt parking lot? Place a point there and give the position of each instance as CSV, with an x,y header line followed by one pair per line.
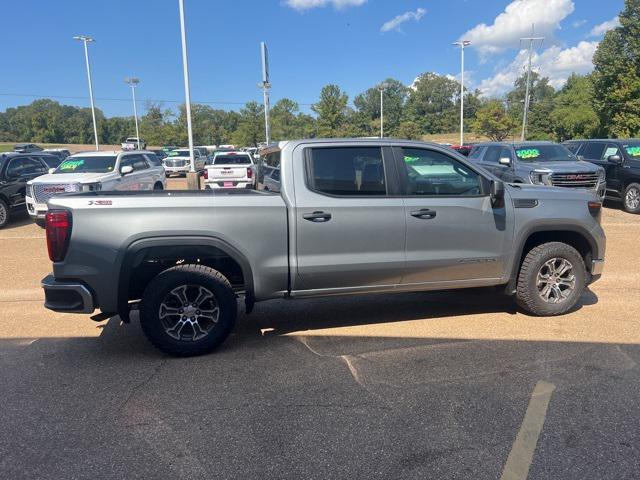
x,y
421,385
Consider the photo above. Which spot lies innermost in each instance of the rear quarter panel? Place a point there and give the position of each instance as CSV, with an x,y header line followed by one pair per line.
x,y
255,225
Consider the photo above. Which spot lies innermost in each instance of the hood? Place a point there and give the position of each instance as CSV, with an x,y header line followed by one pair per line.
x,y
564,166
70,178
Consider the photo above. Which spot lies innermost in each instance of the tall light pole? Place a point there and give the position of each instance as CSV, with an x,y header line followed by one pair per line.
x,y
265,85
382,87
525,114
462,44
133,83
85,39
192,180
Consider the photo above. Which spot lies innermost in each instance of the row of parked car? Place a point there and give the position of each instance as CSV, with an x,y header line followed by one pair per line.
x,y
609,168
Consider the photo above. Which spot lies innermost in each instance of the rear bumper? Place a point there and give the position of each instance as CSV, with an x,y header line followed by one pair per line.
x,y
69,297
215,184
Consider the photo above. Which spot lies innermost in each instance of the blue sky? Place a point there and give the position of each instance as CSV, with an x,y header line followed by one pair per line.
x,y
311,42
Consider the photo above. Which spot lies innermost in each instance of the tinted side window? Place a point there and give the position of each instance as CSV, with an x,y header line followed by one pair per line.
x,y
25,166
154,159
434,173
573,147
347,171
137,162
126,162
593,150
492,155
611,149
476,152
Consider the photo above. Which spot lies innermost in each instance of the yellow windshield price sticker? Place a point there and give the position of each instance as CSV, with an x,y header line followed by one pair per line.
x,y
528,153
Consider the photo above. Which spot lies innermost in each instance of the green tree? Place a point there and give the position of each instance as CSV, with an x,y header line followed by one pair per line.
x,y
368,106
251,125
284,120
616,75
492,121
331,110
573,115
409,130
539,124
431,103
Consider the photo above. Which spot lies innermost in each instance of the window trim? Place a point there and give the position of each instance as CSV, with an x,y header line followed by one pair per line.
x,y
388,166
404,176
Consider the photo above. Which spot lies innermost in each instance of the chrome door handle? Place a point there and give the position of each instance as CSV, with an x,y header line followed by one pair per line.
x,y
317,217
424,214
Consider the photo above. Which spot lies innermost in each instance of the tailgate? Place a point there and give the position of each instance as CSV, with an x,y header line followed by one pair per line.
x,y
226,172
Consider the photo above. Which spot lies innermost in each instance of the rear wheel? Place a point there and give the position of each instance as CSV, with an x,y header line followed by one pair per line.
x,y
551,280
4,213
188,310
158,186
631,199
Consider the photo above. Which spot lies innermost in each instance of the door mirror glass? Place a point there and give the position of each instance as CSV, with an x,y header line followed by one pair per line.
x,y
126,169
497,193
506,161
617,159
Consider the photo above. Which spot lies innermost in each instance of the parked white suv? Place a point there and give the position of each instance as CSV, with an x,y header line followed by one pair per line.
x,y
177,161
94,171
230,170
133,143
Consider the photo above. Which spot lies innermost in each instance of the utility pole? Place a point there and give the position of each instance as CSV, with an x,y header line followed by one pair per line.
x,y
193,180
462,44
265,86
133,82
86,40
382,88
525,114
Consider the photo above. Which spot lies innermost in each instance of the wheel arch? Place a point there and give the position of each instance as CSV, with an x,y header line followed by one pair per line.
x,y
573,235
167,251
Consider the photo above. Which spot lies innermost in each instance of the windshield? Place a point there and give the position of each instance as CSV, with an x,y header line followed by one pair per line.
x,y
544,153
632,149
179,153
232,160
101,164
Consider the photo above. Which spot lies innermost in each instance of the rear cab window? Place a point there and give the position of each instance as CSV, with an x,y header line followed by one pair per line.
x,y
346,171
236,159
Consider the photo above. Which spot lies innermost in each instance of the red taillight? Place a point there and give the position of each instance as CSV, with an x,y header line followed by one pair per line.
x,y
206,174
249,173
58,223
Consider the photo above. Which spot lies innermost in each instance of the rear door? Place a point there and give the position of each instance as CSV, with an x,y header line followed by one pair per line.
x,y
595,152
350,227
453,232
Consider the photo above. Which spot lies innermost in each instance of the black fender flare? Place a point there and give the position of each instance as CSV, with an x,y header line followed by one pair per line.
x,y
137,246
518,251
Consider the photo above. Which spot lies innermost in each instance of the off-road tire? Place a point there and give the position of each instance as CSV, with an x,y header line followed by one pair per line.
x,y
4,213
527,293
168,280
635,187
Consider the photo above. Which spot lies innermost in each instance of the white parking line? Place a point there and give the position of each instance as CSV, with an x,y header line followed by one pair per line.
x,y
521,455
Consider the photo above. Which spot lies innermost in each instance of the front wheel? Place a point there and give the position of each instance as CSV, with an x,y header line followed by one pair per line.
x,y
158,186
4,213
551,280
188,310
631,200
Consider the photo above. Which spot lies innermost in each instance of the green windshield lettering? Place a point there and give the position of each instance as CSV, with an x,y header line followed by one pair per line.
x,y
71,165
528,153
633,151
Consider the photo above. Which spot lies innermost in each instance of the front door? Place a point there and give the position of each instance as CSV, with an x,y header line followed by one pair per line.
x,y
453,232
349,231
19,171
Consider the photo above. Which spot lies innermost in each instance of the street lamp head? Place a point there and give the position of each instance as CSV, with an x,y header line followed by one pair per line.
x,y
383,86
462,43
132,81
83,38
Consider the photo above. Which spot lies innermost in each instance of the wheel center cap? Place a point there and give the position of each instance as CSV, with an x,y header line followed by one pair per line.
x,y
189,311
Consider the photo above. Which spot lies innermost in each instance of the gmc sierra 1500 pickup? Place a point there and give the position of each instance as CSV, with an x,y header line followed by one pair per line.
x,y
350,216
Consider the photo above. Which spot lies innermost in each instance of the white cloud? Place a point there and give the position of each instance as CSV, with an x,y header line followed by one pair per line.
x,y
302,5
556,63
516,22
578,23
394,23
604,27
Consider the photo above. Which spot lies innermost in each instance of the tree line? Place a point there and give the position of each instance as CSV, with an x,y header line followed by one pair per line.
x,y
603,104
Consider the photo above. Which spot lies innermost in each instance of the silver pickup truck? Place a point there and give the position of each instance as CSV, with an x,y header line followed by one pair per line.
x,y
348,216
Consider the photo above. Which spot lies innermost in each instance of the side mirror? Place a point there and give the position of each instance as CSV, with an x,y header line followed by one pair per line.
x,y
126,170
617,159
506,161
51,170
497,193
580,157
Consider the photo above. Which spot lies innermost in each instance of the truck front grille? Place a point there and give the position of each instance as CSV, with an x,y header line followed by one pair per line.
x,y
42,192
175,163
575,180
